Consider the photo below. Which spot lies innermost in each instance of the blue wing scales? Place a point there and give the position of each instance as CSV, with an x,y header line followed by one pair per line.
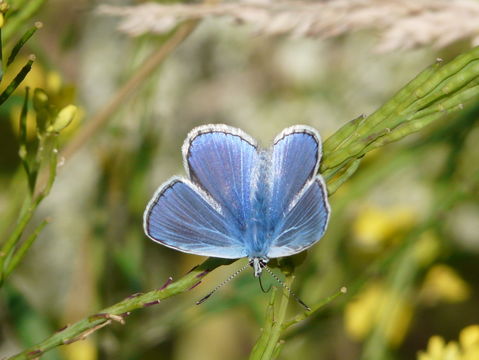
x,y
305,222
183,217
222,160
210,214
296,154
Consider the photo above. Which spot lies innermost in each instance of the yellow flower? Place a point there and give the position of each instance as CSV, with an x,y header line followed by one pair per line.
x,y
437,349
64,118
375,226
442,283
469,340
466,349
378,308
358,320
59,97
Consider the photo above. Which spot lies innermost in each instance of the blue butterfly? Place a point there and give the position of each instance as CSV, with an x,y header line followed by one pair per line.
x,y
239,200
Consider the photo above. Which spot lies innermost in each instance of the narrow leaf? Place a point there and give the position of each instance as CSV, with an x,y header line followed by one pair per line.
x,y
17,80
18,46
20,253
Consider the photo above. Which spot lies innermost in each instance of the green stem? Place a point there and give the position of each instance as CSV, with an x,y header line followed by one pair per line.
x,y
124,93
18,46
269,339
101,118
50,154
262,342
340,136
119,311
338,181
13,239
20,253
25,12
23,151
306,314
278,323
435,91
16,81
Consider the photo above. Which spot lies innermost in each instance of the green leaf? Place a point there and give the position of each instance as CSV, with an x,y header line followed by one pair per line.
x,y
18,46
17,80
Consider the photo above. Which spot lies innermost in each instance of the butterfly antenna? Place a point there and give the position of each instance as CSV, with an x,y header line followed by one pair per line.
x,y
228,279
287,288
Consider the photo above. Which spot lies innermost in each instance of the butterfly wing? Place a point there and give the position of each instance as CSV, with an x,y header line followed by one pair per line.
x,y
295,159
299,205
183,217
305,222
222,161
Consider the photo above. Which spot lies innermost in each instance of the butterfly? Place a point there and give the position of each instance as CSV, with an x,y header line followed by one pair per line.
x,y
240,200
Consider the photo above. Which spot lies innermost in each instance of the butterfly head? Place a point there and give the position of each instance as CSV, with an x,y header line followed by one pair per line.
x,y
258,264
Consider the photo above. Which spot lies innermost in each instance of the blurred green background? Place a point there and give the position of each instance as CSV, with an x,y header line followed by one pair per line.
x,y
412,208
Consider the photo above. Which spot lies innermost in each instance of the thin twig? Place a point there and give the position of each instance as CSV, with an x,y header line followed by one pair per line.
x,y
101,118
87,333
269,340
119,311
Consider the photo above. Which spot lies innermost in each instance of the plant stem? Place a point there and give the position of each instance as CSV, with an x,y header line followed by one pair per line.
x,y
262,342
118,312
18,46
26,11
17,80
436,91
314,309
20,253
151,64
278,323
269,339
102,117
13,239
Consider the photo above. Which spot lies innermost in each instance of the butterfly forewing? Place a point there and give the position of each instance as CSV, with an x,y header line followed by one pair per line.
x,y
222,160
295,157
300,210
183,217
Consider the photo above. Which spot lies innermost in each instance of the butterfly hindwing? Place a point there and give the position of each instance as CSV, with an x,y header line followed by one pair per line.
x,y
184,217
304,223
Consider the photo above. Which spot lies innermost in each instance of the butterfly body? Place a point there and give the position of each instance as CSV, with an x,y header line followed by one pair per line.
x,y
240,200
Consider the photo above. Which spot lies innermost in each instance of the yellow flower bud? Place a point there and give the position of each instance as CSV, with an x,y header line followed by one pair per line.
x,y
63,119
